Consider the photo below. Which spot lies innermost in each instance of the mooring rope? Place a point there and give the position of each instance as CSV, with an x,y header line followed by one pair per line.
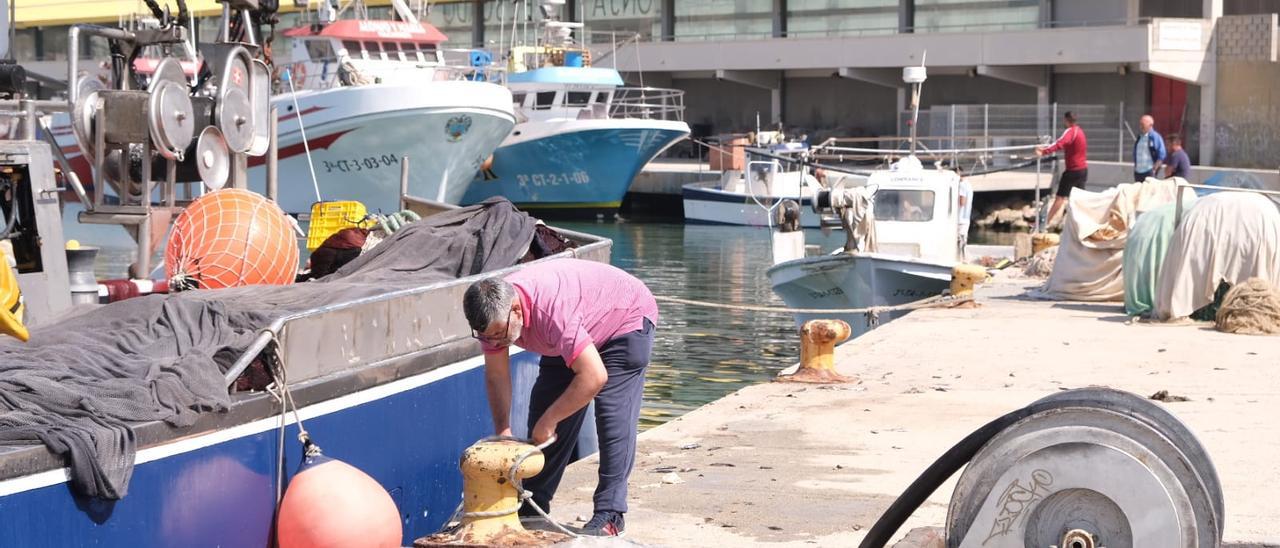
x,y
927,302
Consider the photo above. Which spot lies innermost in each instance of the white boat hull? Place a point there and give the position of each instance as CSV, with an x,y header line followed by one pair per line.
x,y
706,204
358,135
856,281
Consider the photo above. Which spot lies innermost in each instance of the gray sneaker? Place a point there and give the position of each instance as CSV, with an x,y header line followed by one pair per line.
x,y
605,524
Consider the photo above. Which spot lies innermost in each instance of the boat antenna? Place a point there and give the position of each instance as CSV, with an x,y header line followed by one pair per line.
x,y
916,77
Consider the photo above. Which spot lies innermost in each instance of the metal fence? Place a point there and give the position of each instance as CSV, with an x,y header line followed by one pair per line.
x,y
648,103
1003,125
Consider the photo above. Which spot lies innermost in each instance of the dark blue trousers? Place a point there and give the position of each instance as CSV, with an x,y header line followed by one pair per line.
x,y
626,358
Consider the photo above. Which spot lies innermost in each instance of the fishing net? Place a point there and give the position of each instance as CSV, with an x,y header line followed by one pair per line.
x,y
1251,308
231,238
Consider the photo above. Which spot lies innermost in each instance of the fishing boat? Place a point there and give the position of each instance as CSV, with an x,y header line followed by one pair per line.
x,y
902,240
381,366
751,186
581,135
358,95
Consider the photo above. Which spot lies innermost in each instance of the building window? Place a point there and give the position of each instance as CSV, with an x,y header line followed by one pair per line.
x,y
969,16
819,18
723,19
518,99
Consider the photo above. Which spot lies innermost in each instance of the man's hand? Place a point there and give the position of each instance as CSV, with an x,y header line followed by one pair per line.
x,y
1040,150
542,431
505,432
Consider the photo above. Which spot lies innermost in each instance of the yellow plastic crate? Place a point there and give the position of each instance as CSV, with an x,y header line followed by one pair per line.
x,y
327,218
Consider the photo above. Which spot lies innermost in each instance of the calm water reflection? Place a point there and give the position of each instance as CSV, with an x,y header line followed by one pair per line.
x,y
703,354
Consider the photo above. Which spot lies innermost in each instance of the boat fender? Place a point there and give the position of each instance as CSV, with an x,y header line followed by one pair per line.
x,y
330,503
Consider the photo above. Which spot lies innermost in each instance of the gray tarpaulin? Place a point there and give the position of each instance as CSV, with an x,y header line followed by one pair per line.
x,y
79,385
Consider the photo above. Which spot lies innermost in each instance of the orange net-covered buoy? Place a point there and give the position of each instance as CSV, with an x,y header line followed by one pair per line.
x,y
229,238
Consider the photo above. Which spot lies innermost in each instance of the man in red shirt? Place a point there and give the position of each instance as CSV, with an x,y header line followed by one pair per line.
x,y
1075,149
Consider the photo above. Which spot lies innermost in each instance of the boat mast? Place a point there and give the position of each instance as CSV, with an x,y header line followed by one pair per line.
x,y
916,77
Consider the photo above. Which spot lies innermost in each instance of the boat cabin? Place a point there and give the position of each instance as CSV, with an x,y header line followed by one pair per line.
x,y
917,211
563,93
353,52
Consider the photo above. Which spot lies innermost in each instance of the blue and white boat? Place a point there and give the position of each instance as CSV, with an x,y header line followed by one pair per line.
x,y
581,135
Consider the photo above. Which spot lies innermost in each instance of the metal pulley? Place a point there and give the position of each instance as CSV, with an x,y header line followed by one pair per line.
x,y
1095,468
83,113
213,160
233,113
170,114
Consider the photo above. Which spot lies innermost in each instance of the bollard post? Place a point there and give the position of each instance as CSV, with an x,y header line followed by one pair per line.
x,y
490,501
818,340
964,277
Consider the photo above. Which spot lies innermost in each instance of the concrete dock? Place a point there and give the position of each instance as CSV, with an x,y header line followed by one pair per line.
x,y
805,465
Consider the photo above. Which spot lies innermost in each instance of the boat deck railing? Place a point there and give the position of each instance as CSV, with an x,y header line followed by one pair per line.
x,y
648,103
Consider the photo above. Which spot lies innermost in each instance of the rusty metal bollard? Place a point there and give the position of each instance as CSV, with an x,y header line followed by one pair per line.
x,y
490,500
818,340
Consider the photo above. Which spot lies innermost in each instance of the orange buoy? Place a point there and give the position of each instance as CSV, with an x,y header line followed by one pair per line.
x,y
330,503
229,238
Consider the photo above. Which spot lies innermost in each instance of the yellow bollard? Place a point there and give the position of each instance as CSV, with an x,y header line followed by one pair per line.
x,y
1043,241
490,501
818,340
964,277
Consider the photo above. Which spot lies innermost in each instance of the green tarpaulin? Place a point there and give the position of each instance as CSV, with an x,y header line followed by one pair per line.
x,y
1144,252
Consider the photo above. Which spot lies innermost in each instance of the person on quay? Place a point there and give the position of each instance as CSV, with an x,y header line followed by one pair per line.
x,y
593,324
1075,150
1179,163
1148,150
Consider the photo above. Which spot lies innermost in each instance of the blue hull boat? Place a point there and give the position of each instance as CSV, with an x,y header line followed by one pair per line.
x,y
583,166
399,399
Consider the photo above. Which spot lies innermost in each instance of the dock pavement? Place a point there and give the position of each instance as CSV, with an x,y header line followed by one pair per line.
x,y
806,465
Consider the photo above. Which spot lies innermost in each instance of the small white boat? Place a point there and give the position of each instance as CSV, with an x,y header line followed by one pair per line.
x,y
916,244
749,191
904,237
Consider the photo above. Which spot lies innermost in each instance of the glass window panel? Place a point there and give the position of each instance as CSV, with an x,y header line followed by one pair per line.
x,y
545,99
619,20
816,18
577,98
723,19
904,205
967,15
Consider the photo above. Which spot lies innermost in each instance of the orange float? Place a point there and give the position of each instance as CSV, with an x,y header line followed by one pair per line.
x,y
231,238
331,504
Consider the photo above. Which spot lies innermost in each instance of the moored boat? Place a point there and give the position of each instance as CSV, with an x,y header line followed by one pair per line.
x,y
581,135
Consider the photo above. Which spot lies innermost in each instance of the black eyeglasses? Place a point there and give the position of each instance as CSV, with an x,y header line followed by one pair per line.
x,y
486,338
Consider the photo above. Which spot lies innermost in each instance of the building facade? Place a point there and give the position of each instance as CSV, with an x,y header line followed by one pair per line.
x,y
1205,69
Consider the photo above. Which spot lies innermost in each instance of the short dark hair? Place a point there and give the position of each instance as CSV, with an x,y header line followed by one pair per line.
x,y
486,301
1069,116
1175,138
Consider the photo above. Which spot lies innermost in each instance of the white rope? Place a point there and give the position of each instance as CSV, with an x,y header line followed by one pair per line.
x,y
293,94
927,302
525,497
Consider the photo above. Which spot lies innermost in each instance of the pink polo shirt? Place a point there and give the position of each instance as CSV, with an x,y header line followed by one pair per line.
x,y
570,303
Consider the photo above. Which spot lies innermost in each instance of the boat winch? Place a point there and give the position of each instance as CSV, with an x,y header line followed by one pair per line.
x,y
1092,467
